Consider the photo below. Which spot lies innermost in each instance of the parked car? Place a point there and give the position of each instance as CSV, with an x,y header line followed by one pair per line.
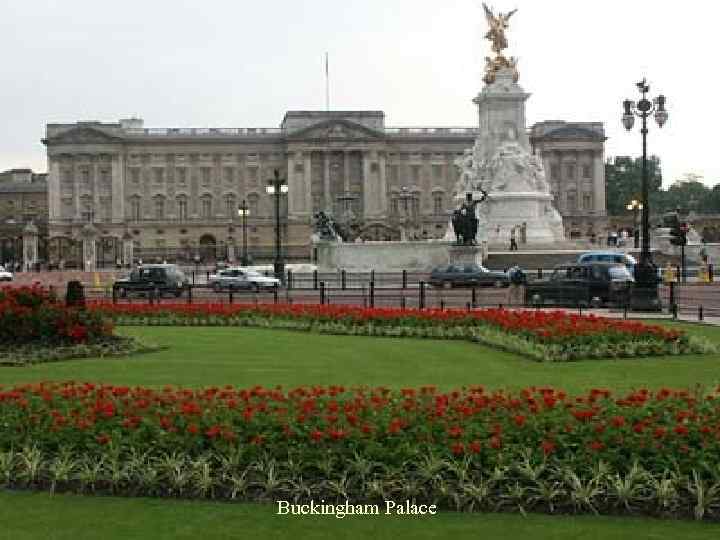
x,y
164,278
5,275
609,256
467,275
236,278
583,284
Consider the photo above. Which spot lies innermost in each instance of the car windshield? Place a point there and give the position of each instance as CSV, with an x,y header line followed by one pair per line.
x,y
620,273
253,273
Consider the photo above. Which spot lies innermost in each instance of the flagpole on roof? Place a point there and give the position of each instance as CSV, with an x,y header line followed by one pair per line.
x,y
327,84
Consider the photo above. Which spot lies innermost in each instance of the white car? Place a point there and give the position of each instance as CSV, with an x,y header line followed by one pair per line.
x,y
5,275
241,278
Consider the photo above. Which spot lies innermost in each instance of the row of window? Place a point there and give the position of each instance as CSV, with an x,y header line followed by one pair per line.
x,y
570,170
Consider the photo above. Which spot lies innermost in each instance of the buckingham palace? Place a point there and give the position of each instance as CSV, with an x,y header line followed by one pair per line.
x,y
173,193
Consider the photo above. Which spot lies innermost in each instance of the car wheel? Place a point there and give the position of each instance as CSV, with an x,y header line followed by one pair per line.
x,y
499,283
123,293
447,284
537,300
178,293
216,287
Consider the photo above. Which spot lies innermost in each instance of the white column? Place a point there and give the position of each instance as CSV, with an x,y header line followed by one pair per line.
x,y
294,190
599,182
308,183
370,188
326,181
76,188
53,189
346,170
382,184
96,187
118,188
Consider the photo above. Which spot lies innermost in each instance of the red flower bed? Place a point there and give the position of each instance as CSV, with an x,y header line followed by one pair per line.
x,y
660,429
31,315
539,326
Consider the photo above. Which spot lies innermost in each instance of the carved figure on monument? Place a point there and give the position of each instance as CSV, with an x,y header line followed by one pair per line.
x,y
465,220
496,34
325,226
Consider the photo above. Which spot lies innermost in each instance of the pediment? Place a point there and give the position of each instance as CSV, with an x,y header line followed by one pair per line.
x,y
83,135
336,130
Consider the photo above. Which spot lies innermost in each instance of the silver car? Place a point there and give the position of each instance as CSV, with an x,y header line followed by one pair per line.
x,y
241,278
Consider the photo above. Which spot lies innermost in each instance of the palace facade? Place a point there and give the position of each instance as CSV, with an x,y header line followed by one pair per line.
x,y
173,193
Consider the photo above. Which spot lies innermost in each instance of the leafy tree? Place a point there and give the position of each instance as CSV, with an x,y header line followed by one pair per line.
x,y
623,178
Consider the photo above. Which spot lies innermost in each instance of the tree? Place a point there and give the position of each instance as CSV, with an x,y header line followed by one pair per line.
x,y
623,180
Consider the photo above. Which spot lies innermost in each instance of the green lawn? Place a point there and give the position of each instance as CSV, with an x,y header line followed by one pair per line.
x,y
28,516
217,356
244,357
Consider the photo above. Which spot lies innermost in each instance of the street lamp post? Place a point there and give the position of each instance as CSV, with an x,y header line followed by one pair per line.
x,y
635,206
277,187
244,212
645,293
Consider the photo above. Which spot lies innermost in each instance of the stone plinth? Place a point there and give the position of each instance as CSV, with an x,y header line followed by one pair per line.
x,y
418,256
465,254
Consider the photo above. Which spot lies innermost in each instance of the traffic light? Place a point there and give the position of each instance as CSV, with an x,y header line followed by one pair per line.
x,y
678,233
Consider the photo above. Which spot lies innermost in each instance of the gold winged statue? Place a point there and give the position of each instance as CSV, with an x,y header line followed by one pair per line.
x,y
498,24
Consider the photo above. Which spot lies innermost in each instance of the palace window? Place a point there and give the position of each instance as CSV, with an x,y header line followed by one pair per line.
x,y
158,175
205,176
394,175
415,173
135,208
206,207
438,204
182,176
159,204
554,171
228,174
571,201
230,206
570,171
437,173
586,171
135,175
253,203
182,207
587,202
85,178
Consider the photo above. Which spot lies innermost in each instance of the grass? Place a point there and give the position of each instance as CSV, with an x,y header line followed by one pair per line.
x,y
29,516
218,356
201,356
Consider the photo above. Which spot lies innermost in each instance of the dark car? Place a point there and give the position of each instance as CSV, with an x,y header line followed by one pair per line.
x,y
163,278
583,284
467,275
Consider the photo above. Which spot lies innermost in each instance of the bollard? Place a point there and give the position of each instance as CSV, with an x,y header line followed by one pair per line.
x,y
158,295
275,295
468,306
473,298
189,295
539,274
700,313
402,303
677,274
207,276
625,311
230,295
442,305
404,279
710,273
372,294
322,293
672,293
114,295
315,280
674,309
421,298
372,275
193,277
289,280
343,279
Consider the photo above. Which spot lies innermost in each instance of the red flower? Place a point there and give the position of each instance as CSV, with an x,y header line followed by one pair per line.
x,y
457,448
617,421
597,446
519,420
548,447
103,439
475,447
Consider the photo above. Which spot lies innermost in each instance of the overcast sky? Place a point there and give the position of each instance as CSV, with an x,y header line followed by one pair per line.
x,y
243,63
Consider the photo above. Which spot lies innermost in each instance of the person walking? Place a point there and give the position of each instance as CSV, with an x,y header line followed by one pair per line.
x,y
516,290
513,241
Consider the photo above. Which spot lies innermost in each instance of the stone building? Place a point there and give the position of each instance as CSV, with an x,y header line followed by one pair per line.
x,y
573,157
23,202
173,193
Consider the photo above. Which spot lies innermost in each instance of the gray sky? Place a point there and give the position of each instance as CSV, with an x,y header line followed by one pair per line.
x,y
242,63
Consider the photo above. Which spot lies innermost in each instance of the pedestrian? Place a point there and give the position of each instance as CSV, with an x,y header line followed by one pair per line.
x,y
513,241
516,289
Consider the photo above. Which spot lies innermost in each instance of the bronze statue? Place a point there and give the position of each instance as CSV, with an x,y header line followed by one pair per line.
x,y
465,222
498,24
